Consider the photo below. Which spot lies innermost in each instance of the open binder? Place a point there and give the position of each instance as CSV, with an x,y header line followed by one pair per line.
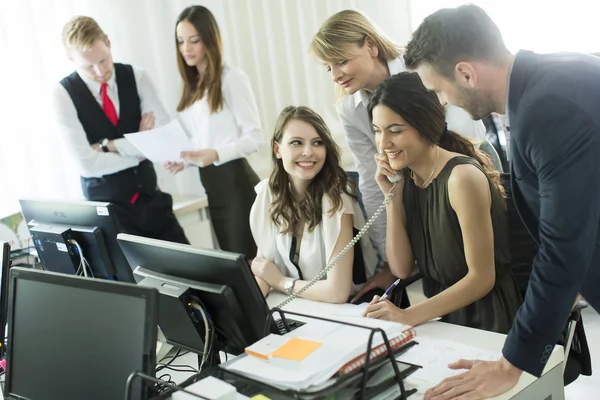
x,y
372,378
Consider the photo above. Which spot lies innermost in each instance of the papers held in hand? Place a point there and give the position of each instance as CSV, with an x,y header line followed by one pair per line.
x,y
162,144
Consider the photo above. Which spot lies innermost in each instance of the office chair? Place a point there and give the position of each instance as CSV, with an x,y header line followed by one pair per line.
x,y
523,250
487,148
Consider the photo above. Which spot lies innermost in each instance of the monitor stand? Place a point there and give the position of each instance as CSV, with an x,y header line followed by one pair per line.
x,y
162,347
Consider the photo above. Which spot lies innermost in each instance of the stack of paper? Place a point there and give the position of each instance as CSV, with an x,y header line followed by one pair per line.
x,y
339,344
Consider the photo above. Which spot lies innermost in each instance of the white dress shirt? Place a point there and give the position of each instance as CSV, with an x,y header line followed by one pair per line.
x,y
316,248
91,163
234,131
352,111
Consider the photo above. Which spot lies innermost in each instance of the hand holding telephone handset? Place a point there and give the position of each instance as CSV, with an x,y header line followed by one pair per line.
x,y
385,169
341,254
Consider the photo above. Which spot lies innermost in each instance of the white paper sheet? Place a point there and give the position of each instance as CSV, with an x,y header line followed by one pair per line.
x,y
434,355
161,144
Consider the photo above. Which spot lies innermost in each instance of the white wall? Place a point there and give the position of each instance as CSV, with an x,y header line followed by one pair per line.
x,y
269,39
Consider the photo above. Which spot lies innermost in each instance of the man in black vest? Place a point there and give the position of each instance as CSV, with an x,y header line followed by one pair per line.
x,y
94,107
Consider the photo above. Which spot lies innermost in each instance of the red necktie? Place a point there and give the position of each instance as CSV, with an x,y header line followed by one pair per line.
x,y
108,106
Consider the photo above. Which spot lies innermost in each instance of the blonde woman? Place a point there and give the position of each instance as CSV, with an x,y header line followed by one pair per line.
x,y
218,110
359,57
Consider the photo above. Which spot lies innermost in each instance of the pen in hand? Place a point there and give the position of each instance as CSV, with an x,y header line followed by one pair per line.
x,y
389,290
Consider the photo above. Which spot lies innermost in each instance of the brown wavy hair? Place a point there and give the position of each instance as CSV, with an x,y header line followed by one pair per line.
x,y
405,94
286,211
194,87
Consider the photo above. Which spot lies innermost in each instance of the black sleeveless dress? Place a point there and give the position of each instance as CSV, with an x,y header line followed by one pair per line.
x,y
436,239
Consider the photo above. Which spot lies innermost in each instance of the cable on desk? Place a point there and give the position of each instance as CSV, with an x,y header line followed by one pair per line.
x,y
160,366
173,357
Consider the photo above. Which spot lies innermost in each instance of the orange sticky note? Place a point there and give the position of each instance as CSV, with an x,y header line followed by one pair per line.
x,y
296,349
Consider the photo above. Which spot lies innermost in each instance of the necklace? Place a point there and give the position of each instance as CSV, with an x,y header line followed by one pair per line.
x,y
414,178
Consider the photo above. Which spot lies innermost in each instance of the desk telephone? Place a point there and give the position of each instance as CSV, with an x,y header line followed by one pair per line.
x,y
336,259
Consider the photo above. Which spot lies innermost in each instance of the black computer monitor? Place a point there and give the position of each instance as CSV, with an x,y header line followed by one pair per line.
x,y
183,326
4,267
92,224
76,338
204,266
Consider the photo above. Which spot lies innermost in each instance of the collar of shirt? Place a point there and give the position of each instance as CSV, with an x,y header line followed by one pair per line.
x,y
506,110
95,86
395,66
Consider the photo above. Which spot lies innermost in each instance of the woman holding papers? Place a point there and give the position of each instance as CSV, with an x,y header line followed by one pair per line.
x,y
359,57
218,110
447,213
306,213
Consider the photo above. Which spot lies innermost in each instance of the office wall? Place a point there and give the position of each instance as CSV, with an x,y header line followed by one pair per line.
x,y
269,39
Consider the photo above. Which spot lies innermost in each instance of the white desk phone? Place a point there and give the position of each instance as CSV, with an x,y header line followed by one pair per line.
x,y
338,257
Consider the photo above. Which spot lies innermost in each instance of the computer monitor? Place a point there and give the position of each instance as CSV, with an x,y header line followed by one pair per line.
x,y
4,267
183,326
204,266
92,224
77,338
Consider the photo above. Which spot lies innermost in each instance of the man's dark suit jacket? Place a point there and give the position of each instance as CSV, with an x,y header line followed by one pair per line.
x,y
554,119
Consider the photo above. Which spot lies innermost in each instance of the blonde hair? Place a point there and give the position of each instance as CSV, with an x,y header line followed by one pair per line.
x,y
81,32
345,28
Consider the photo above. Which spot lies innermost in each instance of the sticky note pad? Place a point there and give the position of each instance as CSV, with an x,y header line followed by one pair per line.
x,y
260,397
296,349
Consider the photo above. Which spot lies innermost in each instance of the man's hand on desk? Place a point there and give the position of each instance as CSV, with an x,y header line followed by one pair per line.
x,y
484,379
382,280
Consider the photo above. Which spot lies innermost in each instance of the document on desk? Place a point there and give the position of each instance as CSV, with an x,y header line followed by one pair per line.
x,y
161,144
339,344
434,355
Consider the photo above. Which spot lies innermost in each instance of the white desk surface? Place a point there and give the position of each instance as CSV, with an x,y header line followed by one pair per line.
x,y
488,341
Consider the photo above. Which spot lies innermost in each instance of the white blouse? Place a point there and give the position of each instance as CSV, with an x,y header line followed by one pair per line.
x,y
234,131
316,248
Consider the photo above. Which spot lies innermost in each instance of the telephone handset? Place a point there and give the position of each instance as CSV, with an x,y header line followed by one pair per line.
x,y
336,259
396,178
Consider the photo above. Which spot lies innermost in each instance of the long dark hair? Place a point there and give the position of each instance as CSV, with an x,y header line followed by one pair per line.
x,y
405,94
286,211
193,86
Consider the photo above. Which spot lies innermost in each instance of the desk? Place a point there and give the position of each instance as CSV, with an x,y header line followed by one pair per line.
x,y
548,387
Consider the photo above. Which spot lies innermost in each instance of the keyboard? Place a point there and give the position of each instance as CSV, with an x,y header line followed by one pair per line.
x,y
292,324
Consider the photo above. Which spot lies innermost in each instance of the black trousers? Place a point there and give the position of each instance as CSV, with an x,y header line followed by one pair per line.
x,y
230,192
152,217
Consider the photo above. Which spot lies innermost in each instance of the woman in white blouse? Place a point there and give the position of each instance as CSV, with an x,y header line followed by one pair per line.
x,y
218,111
306,213
359,57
